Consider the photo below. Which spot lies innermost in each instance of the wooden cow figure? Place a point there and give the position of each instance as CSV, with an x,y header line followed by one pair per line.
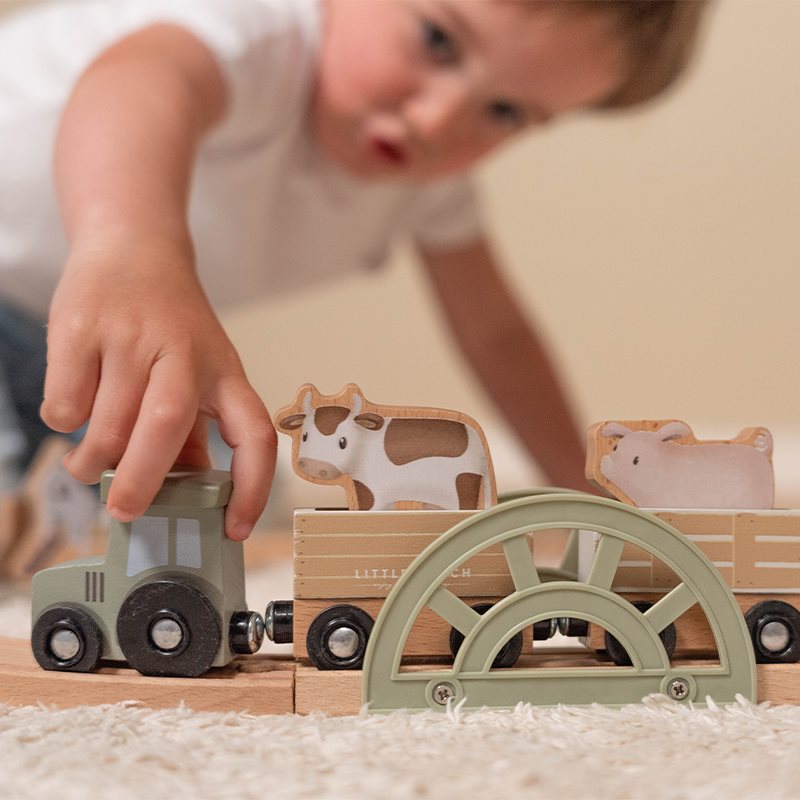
x,y
660,464
388,457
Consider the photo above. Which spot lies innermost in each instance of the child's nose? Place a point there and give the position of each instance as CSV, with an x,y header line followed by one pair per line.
x,y
432,113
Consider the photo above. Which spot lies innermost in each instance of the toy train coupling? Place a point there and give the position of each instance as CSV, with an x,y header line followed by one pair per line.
x,y
246,632
279,621
546,629
569,626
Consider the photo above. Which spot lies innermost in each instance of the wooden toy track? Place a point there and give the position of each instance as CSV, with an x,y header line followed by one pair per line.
x,y
387,686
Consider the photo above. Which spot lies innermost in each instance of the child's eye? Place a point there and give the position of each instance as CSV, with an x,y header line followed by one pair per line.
x,y
437,42
506,113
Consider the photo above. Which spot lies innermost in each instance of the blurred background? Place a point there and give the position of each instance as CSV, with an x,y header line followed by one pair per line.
x,y
657,250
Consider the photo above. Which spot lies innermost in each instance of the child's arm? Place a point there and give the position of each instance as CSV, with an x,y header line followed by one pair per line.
x,y
509,358
132,340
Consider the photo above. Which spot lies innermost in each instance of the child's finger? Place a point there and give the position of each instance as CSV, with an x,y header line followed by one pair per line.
x,y
246,427
70,384
167,415
194,452
116,407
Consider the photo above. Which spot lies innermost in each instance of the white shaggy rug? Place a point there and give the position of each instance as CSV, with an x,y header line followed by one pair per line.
x,y
656,750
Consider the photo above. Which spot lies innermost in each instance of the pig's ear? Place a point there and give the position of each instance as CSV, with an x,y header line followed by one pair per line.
x,y
674,430
763,441
614,430
292,422
370,421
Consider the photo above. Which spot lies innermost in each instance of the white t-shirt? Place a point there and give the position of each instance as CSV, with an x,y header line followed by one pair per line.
x,y
268,212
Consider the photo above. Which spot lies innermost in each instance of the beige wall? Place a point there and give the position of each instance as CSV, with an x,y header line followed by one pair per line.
x,y
658,250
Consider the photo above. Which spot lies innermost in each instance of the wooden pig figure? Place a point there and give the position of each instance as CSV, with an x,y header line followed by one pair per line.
x,y
387,457
660,464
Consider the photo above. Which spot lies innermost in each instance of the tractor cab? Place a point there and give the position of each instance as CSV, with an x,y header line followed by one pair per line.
x,y
168,597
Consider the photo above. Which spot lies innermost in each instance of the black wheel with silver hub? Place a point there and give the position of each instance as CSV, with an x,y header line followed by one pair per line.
x,y
775,630
170,628
337,638
67,638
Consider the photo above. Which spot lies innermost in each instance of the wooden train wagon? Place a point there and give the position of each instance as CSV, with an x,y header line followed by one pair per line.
x,y
346,563
757,554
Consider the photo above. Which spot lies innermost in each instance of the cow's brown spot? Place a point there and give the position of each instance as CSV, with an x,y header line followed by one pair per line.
x,y
364,496
327,418
468,486
409,439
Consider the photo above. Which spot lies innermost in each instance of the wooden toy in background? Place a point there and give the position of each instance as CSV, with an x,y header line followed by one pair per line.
x,y
719,494
660,464
388,457
50,519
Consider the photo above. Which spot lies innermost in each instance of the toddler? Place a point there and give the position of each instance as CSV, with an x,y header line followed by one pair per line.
x,y
164,159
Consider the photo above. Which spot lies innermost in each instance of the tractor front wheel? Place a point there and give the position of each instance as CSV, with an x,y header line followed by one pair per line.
x,y
67,638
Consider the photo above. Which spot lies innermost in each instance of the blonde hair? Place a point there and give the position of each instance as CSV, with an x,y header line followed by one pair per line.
x,y
659,36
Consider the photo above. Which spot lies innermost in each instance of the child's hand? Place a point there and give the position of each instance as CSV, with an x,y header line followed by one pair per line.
x,y
134,344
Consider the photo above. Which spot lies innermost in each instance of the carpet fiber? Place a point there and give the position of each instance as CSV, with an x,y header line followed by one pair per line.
x,y
656,750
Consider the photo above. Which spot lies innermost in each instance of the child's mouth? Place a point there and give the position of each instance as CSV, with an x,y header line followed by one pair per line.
x,y
388,151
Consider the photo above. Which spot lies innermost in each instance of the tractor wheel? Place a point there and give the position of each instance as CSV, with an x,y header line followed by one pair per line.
x,y
169,628
67,638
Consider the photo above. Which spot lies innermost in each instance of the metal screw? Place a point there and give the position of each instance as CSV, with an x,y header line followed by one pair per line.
x,y
443,692
678,689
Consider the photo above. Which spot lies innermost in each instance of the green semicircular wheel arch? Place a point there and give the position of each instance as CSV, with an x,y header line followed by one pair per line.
x,y
471,678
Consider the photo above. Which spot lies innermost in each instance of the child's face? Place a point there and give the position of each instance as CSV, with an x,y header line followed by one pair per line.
x,y
418,89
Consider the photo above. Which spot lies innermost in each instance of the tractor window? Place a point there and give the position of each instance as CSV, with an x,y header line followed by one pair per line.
x,y
187,550
149,545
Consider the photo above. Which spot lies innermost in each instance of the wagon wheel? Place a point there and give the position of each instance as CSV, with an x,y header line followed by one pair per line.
x,y
775,630
385,687
508,654
337,638
619,655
